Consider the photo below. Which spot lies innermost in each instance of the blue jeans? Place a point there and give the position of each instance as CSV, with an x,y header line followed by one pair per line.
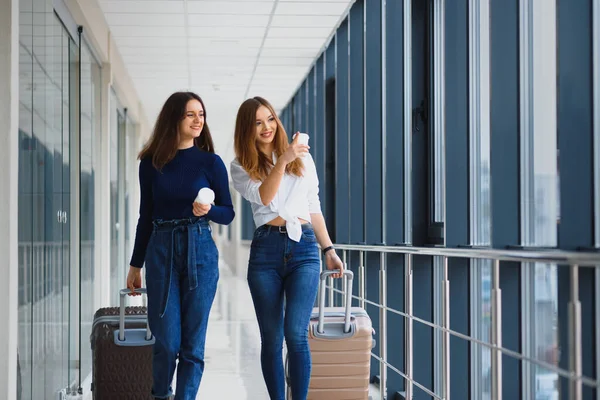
x,y
279,266
181,277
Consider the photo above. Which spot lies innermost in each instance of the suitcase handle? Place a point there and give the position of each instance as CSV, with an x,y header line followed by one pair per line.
x,y
349,276
123,293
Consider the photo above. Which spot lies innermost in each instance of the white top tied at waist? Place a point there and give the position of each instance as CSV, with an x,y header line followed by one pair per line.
x,y
297,197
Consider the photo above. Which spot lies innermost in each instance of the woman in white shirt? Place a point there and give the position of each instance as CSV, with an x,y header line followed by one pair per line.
x,y
280,181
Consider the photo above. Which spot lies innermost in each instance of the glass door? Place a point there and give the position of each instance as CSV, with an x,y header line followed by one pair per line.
x,y
90,134
117,199
44,198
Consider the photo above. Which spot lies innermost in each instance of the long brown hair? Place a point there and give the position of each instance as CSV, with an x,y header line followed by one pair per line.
x,y
164,142
254,161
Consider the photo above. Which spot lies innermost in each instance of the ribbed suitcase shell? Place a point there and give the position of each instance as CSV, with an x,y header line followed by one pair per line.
x,y
341,367
120,372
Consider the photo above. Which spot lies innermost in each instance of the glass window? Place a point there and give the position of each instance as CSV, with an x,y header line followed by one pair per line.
x,y
91,120
117,198
131,180
46,105
479,196
539,189
597,120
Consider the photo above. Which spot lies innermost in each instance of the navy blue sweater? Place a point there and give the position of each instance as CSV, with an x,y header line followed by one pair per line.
x,y
170,193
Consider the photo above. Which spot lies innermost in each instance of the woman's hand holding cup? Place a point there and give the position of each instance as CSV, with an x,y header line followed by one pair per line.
x,y
298,148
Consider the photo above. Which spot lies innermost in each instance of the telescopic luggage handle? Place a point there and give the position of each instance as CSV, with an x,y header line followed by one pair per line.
x,y
122,294
349,276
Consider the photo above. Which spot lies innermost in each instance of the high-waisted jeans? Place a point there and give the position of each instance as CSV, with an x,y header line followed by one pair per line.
x,y
181,277
279,266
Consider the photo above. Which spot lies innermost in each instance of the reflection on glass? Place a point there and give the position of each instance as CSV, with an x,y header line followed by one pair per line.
x,y
130,177
114,200
483,313
44,202
90,130
540,194
27,146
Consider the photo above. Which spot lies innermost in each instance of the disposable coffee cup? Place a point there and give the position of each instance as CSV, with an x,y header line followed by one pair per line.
x,y
205,196
303,139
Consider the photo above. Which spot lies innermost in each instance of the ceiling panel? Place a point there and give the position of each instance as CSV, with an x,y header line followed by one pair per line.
x,y
145,19
289,52
149,31
222,49
226,32
163,51
310,32
150,42
285,61
230,7
303,21
311,8
141,6
228,20
300,43
233,44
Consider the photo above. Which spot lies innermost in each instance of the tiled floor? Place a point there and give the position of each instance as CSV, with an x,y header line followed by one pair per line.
x,y
232,356
233,346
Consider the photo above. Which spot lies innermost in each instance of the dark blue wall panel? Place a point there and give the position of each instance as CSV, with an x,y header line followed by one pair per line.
x,y
394,187
356,93
320,133
373,133
247,221
575,143
342,137
372,152
457,178
421,194
504,170
422,334
394,92
302,107
457,123
314,141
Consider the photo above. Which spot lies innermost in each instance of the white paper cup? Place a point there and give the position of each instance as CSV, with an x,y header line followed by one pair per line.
x,y
303,139
205,196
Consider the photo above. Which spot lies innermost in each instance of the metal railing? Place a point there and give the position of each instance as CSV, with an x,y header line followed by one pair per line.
x,y
574,260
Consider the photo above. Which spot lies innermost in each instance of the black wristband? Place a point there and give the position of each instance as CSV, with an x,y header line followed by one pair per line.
x,y
326,249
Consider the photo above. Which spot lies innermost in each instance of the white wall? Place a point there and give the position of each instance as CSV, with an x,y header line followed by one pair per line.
x,y
9,125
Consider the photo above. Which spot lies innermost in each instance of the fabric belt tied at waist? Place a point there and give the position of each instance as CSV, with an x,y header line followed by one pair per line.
x,y
191,261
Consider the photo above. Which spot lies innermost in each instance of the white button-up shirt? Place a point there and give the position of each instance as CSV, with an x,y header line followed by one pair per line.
x,y
297,196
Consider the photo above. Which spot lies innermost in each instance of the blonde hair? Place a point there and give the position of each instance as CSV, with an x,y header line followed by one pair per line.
x,y
254,161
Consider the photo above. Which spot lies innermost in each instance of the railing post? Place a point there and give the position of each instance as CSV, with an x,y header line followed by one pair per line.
x,y
383,324
575,366
361,279
344,283
408,306
446,334
496,333
330,291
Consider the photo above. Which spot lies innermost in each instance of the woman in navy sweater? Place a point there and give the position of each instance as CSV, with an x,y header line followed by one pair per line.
x,y
174,241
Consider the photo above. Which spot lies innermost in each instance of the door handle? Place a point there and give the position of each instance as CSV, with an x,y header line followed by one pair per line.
x,y
419,115
59,216
64,217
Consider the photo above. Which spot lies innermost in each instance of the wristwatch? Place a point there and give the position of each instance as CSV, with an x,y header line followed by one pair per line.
x,y
326,249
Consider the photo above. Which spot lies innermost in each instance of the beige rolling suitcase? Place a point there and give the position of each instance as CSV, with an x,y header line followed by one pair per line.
x,y
340,339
